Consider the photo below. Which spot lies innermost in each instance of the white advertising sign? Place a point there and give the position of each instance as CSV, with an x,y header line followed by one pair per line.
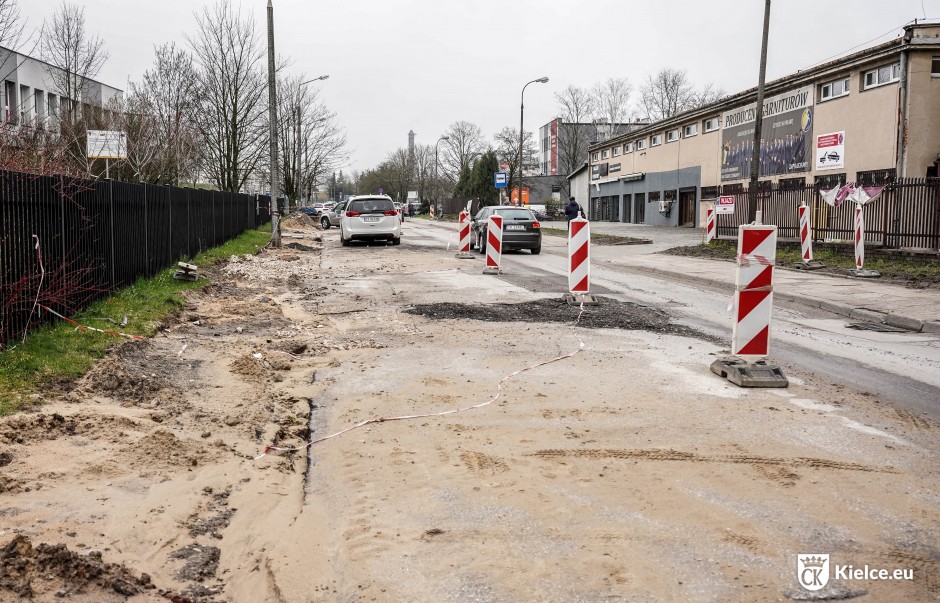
x,y
107,144
725,205
830,151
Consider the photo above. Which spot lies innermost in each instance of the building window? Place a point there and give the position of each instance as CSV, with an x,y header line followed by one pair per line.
x,y
732,189
656,140
690,130
825,183
790,184
672,135
712,124
596,157
641,144
709,192
881,76
654,197
834,89
876,177
628,147
617,150
605,154
935,67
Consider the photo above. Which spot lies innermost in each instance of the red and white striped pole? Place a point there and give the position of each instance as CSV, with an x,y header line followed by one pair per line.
x,y
463,228
757,250
579,257
494,244
806,237
859,237
710,228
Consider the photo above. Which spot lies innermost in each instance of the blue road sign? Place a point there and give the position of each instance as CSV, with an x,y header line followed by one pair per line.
x,y
500,179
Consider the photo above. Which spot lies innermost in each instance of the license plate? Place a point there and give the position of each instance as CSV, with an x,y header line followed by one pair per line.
x,y
371,219
515,227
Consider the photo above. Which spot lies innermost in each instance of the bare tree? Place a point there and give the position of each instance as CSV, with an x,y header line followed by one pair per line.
x,y
312,145
424,170
507,151
231,92
11,24
611,103
73,55
465,141
670,92
576,106
164,145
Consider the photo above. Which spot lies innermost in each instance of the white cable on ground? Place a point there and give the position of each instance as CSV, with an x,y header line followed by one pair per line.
x,y
42,276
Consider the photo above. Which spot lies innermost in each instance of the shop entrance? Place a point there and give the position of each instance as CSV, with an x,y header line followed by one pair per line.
x,y
687,208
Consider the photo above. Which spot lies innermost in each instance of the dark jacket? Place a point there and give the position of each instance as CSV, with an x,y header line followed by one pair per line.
x,y
572,209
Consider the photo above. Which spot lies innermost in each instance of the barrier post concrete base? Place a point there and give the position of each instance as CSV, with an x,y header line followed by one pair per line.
x,y
809,265
865,273
749,374
576,299
492,270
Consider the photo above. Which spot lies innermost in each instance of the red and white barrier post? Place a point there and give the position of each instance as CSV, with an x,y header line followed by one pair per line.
x,y
463,230
494,244
859,237
711,230
579,260
806,238
753,303
757,250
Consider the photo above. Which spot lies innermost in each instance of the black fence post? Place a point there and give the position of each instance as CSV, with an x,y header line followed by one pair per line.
x,y
111,204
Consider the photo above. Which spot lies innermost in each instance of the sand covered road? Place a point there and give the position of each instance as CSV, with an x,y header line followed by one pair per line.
x,y
624,473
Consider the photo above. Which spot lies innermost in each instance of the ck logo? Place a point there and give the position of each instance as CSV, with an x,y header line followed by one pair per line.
x,y
812,570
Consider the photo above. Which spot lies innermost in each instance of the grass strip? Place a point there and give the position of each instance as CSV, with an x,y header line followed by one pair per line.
x,y
599,238
55,354
838,259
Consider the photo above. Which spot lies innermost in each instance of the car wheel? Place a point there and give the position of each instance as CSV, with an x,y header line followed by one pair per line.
x,y
325,223
536,250
481,243
342,240
396,241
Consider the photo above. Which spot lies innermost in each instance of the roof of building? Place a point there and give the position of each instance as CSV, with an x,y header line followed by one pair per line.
x,y
782,84
583,167
32,58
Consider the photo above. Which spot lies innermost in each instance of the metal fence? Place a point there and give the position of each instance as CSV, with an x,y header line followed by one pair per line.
x,y
65,242
906,215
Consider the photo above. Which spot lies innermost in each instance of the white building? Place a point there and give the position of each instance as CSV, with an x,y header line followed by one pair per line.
x,y
29,95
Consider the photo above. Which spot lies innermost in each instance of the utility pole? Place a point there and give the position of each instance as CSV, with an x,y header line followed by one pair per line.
x,y
272,117
759,120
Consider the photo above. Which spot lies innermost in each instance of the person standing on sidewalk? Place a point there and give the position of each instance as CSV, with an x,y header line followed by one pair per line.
x,y
572,210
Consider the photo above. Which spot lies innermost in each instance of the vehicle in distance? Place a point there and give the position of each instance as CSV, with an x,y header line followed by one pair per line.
x,y
370,218
330,216
521,230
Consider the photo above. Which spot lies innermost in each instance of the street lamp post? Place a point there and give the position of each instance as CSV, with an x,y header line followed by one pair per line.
x,y
437,183
541,80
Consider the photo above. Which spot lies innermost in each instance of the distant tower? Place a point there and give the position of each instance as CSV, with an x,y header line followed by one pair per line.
x,y
411,145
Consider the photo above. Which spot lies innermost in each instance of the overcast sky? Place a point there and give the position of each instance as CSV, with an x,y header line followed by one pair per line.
x,y
400,65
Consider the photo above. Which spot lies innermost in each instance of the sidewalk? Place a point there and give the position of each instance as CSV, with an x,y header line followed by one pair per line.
x,y
858,299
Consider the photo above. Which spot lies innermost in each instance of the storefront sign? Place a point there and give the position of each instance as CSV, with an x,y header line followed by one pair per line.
x,y
725,204
598,171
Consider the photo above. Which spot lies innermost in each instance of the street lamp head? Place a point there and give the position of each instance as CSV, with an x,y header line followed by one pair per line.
x,y
326,77
444,137
542,80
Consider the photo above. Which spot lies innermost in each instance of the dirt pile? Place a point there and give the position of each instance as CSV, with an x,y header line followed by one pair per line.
x,y
47,570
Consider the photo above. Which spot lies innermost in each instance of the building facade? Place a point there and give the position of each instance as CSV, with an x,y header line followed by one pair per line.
x,y
562,144
868,117
29,95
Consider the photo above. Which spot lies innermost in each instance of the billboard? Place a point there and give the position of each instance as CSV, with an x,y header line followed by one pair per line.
x,y
786,136
830,151
598,171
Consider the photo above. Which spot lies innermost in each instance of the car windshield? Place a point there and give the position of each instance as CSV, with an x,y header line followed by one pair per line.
x,y
371,206
514,213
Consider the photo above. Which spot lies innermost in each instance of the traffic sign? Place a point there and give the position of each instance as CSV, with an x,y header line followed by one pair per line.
x,y
500,179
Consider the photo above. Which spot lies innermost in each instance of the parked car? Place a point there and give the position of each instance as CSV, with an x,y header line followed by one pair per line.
x,y
521,230
330,217
370,218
